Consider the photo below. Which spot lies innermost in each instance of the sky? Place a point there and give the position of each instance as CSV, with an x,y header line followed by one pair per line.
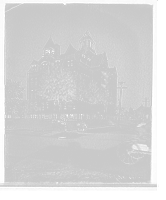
x,y
124,32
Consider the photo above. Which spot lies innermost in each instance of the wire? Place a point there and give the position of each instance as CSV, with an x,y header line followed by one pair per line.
x,y
10,6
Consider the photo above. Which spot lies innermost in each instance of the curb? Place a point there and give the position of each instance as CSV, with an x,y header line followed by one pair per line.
x,y
51,131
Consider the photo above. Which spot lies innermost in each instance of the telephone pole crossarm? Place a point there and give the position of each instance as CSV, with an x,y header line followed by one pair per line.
x,y
121,87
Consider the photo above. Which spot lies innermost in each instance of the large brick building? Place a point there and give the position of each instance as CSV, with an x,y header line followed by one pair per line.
x,y
78,81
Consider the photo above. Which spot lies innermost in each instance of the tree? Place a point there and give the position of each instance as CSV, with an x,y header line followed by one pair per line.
x,y
93,93
59,84
13,94
106,95
119,111
13,91
81,88
106,99
141,112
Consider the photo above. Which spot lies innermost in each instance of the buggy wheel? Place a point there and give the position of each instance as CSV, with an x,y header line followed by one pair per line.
x,y
127,154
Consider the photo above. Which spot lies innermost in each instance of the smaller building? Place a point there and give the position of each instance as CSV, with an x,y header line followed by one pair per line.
x,y
8,111
16,111
143,113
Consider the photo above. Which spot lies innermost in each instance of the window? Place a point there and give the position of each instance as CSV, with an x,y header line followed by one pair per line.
x,y
8,116
66,116
47,105
71,116
42,106
46,116
65,108
71,62
31,106
31,82
36,82
68,63
31,94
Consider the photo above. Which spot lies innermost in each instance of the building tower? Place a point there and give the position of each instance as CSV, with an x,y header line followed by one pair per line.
x,y
49,49
87,42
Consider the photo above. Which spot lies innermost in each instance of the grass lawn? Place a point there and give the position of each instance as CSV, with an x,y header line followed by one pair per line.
x,y
39,171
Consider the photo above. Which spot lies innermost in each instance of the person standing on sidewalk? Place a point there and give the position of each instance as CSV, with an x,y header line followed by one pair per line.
x,y
65,125
78,125
86,126
83,126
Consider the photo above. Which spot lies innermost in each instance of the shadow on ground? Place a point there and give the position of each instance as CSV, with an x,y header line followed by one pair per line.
x,y
55,164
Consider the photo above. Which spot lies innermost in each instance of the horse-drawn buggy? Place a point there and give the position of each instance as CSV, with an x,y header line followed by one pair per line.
x,y
130,152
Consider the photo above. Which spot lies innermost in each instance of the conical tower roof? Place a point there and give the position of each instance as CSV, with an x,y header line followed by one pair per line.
x,y
86,36
49,43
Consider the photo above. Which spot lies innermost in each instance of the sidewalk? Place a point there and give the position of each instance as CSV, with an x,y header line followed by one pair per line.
x,y
55,132
52,133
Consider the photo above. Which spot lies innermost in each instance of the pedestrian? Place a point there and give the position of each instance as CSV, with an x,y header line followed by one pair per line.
x,y
62,120
86,126
83,126
78,126
65,125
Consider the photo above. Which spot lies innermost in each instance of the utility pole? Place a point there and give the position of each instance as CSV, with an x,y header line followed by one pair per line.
x,y
120,88
145,112
146,101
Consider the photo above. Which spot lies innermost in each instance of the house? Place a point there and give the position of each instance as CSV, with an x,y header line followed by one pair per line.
x,y
83,62
8,111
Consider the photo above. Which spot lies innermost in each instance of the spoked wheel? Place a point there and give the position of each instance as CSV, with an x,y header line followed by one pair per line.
x,y
128,155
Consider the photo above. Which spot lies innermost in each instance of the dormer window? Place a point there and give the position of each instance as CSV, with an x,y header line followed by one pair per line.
x,y
53,53
70,63
46,53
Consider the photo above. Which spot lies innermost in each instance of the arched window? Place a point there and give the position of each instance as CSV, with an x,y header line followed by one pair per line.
x,y
31,82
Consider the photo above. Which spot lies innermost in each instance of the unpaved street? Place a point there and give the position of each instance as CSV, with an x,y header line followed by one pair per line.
x,y
91,151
